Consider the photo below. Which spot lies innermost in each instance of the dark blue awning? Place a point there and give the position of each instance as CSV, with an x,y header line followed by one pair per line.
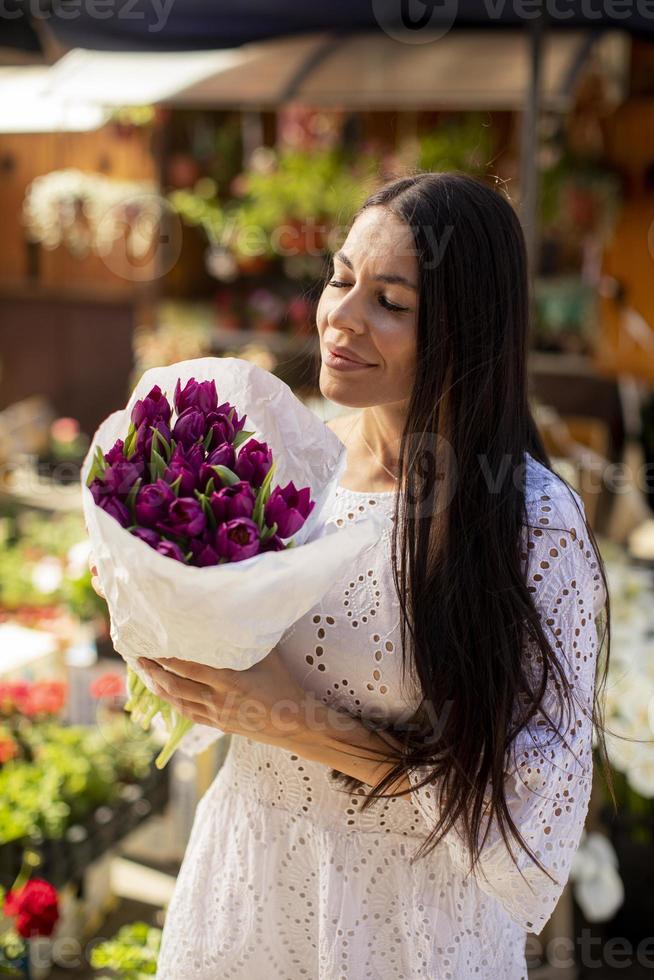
x,y
209,24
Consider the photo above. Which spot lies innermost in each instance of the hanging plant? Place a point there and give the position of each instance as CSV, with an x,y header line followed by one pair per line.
x,y
89,212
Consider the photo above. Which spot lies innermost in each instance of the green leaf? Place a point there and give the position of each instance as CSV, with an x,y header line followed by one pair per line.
x,y
131,496
227,476
268,532
206,442
210,487
290,543
130,435
157,464
129,447
98,466
262,496
206,507
241,437
174,486
157,436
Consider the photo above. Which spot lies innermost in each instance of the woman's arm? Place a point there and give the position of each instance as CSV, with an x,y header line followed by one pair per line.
x,y
339,740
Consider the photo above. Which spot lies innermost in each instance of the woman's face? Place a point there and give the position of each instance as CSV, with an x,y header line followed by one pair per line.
x,y
367,314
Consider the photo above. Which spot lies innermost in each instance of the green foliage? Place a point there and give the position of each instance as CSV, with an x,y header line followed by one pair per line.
x,y
464,144
131,954
72,770
322,187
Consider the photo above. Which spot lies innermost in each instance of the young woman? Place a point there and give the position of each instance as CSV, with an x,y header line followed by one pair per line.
x,y
410,768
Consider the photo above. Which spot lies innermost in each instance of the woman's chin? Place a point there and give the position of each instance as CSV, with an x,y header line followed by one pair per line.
x,y
343,391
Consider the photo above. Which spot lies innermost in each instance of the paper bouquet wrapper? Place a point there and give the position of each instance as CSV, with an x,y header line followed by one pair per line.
x,y
229,615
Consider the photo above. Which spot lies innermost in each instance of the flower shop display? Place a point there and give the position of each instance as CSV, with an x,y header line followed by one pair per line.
x,y
186,509
285,204
131,954
44,575
69,792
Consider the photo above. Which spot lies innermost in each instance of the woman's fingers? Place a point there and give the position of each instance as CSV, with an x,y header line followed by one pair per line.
x,y
95,581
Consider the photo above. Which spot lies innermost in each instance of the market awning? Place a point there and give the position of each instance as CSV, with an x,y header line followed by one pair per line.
x,y
77,92
28,105
461,70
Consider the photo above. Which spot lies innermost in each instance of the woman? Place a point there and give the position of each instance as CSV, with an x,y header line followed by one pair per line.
x,y
410,767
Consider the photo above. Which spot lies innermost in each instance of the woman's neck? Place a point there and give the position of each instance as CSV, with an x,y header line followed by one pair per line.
x,y
373,443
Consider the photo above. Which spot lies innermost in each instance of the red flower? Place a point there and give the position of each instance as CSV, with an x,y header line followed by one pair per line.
x,y
39,698
8,749
35,906
109,685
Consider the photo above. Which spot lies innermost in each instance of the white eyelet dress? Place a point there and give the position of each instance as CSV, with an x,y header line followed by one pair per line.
x,y
285,878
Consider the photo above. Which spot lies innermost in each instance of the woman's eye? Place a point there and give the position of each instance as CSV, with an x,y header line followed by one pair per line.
x,y
391,306
382,299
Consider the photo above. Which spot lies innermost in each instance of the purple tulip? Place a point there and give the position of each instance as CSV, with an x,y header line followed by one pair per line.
x,y
185,518
98,489
185,463
145,435
200,395
204,552
152,503
146,534
221,456
237,539
116,452
151,409
190,427
289,508
273,543
231,502
121,476
117,509
253,462
171,550
222,430
237,421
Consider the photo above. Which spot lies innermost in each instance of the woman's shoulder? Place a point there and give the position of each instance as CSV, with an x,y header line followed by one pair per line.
x,y
549,499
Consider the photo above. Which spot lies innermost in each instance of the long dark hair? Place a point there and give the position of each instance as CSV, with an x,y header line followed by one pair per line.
x,y
457,560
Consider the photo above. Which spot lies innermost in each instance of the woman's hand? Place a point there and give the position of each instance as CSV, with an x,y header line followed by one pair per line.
x,y
263,702
95,581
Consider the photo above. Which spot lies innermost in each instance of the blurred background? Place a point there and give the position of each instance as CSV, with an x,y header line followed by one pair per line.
x,y
173,178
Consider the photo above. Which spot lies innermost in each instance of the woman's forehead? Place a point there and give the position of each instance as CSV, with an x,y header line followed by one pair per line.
x,y
378,239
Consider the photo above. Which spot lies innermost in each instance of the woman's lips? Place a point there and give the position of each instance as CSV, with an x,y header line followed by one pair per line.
x,y
340,363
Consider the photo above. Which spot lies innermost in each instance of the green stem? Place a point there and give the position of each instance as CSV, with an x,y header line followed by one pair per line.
x,y
180,728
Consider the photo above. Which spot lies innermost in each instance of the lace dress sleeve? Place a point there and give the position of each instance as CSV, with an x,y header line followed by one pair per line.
x,y
548,783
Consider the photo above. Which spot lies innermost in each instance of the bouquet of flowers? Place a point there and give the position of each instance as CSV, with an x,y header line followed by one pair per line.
x,y
199,556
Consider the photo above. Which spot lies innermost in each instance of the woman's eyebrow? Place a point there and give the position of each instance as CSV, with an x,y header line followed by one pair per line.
x,y
391,278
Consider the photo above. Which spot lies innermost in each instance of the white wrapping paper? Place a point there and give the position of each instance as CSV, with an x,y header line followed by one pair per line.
x,y
233,614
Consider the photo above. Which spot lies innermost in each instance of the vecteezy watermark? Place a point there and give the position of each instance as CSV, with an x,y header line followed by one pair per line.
x,y
422,21
154,14
415,21
139,239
